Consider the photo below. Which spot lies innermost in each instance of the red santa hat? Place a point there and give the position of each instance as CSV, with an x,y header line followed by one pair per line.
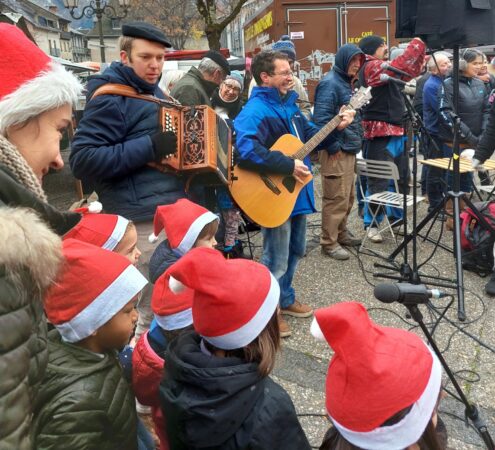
x,y
182,221
30,82
173,311
375,373
93,286
102,230
233,299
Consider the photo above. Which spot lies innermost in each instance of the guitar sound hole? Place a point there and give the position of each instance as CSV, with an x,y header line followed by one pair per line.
x,y
289,183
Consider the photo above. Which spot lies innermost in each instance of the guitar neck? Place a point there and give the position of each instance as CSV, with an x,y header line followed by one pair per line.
x,y
316,140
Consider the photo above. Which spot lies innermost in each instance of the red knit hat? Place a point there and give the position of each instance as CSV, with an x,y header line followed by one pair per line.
x,y
233,299
182,222
30,82
375,373
172,310
93,286
102,230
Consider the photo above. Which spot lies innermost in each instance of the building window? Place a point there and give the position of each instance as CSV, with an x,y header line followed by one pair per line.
x,y
42,21
116,24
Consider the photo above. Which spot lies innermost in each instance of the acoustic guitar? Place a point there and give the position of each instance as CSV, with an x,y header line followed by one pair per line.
x,y
269,199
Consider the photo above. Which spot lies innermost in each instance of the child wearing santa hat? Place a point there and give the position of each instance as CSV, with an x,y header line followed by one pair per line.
x,y
216,391
383,384
84,401
187,225
108,231
173,316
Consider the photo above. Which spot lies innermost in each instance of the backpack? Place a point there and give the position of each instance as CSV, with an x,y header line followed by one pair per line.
x,y
476,241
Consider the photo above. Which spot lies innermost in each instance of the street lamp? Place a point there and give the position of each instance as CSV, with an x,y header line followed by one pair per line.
x,y
98,8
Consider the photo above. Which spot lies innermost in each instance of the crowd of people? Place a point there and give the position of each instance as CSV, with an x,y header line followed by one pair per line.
x,y
88,341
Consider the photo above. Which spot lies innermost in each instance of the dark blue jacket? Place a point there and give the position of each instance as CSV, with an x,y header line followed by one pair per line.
x,y
430,104
265,118
161,259
112,147
333,91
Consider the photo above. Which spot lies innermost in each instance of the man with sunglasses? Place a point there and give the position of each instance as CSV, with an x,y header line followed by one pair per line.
x,y
270,113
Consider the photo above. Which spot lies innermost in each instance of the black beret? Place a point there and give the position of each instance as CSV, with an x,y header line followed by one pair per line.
x,y
143,30
219,59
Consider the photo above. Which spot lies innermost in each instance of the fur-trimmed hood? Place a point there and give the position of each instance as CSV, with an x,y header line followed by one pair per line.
x,y
28,243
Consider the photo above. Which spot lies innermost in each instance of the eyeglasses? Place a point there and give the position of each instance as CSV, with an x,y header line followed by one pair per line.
x,y
231,87
288,74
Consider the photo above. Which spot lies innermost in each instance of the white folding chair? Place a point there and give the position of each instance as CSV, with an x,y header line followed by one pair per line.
x,y
371,168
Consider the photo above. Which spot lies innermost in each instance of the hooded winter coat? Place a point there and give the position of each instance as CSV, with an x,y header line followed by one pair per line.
x,y
29,261
84,401
223,403
112,147
333,91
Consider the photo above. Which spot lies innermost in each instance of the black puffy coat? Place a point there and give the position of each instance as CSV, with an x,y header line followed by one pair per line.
x,y
473,110
213,403
29,261
487,142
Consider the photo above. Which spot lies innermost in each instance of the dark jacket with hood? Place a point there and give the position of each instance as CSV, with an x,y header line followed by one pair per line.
x,y
193,89
112,148
84,401
333,91
30,258
222,403
473,110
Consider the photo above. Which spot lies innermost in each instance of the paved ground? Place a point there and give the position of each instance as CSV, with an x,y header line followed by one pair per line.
x,y
321,281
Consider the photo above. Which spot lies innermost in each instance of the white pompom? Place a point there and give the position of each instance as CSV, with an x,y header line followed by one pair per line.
x,y
152,238
95,207
175,285
316,330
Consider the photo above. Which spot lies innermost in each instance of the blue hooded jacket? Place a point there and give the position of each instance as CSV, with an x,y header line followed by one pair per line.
x,y
265,118
333,91
112,147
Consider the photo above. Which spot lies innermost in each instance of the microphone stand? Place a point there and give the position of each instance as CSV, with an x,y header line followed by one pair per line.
x,y
455,194
471,411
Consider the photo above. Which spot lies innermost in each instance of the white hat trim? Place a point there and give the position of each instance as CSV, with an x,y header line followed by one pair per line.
x,y
410,428
176,321
251,330
52,88
120,292
193,232
117,233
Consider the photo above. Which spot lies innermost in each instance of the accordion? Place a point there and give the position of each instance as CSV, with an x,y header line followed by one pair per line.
x,y
204,141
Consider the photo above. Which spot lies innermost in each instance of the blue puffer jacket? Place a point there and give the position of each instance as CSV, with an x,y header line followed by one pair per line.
x,y
112,146
333,91
266,117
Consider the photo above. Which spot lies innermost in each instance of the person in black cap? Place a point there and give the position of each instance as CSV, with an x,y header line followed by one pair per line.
x,y
383,116
118,137
197,86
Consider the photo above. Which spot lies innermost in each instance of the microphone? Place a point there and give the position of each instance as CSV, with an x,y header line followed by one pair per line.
x,y
406,293
386,78
386,66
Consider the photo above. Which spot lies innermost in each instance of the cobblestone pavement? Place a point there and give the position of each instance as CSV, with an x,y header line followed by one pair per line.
x,y
321,281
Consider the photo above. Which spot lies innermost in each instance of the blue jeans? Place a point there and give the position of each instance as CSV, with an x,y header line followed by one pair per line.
x,y
283,247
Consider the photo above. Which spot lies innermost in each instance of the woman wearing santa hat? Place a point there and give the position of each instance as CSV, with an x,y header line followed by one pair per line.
x,y
383,384
36,97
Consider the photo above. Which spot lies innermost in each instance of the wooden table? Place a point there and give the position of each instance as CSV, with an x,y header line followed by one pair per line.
x,y
465,165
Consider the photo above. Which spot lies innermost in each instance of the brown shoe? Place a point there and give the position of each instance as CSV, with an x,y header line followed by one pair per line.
x,y
283,327
297,309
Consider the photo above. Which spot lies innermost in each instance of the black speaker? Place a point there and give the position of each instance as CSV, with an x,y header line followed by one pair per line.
x,y
444,23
